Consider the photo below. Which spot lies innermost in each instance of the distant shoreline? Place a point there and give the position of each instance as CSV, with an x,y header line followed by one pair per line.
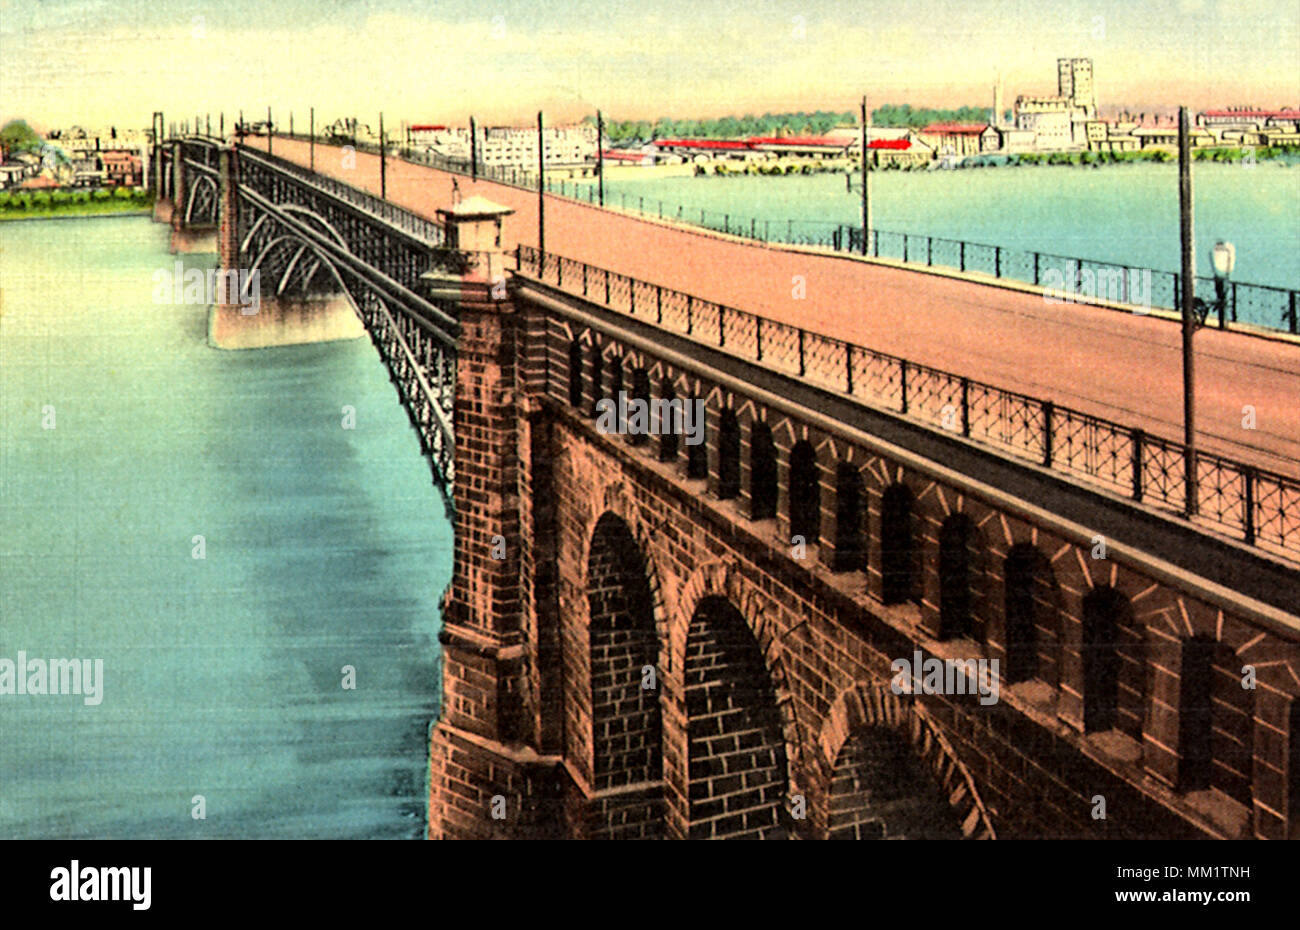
x,y
70,214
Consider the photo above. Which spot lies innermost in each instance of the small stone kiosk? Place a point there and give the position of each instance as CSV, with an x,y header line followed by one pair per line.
x,y
473,254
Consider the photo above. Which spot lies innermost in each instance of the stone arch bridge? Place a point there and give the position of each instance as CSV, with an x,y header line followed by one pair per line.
x,y
648,638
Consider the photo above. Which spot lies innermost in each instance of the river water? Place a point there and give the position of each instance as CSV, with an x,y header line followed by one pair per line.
x,y
324,547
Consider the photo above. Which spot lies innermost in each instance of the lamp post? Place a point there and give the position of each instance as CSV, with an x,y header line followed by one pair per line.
x,y
1187,305
1223,258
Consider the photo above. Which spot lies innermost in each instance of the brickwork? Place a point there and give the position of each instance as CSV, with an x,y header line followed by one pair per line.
x,y
735,758
1101,709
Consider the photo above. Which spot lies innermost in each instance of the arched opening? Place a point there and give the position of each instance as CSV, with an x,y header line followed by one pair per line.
x,y
804,493
898,574
626,726
1114,672
880,790
1195,718
728,455
762,472
849,549
640,430
597,376
575,373
1032,628
697,453
958,559
736,763
670,423
615,390
1216,720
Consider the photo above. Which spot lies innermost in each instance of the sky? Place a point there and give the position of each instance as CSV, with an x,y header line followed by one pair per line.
x,y
100,62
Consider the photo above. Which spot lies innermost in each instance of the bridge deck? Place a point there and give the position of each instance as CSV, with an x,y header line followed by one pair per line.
x,y
1122,367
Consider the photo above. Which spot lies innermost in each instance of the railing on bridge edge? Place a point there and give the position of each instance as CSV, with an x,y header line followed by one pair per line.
x,y
1078,279
1259,506
1081,279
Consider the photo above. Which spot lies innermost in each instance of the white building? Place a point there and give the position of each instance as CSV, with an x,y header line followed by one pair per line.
x,y
511,147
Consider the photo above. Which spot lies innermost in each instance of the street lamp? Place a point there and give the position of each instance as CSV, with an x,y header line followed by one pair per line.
x,y
1223,258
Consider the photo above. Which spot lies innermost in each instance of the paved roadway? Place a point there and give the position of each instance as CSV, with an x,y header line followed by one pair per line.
x,y
1123,367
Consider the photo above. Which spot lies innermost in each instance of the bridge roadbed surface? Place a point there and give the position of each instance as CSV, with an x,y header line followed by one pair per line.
x,y
1120,366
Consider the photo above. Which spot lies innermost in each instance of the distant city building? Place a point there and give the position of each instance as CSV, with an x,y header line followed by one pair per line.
x,y
510,147
1060,121
955,138
1248,118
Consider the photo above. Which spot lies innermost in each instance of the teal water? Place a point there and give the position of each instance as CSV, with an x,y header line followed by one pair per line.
x,y
325,548
1127,214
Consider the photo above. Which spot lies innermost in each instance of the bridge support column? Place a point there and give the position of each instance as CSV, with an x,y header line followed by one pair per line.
x,y
163,205
185,238
487,778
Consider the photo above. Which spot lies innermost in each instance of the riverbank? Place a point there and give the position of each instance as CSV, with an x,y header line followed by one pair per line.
x,y
43,204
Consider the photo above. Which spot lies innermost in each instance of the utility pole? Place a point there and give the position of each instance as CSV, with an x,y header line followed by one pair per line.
x,y
311,136
541,197
1188,304
383,162
473,150
268,130
866,197
600,154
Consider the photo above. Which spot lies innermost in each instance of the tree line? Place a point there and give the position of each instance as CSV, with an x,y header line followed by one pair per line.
x,y
782,124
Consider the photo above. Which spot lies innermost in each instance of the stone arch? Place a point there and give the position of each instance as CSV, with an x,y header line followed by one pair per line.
x,y
728,477
626,720
803,492
961,577
1031,616
872,706
640,435
900,574
737,773
1216,720
1114,663
597,374
721,579
850,512
670,432
697,454
575,373
763,476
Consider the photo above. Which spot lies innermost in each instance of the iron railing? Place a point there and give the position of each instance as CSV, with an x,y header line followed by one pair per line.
x,y
385,210
1257,505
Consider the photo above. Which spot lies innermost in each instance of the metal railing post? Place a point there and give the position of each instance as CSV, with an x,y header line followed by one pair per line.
x,y
965,407
902,382
1248,506
1139,440
1048,409
802,369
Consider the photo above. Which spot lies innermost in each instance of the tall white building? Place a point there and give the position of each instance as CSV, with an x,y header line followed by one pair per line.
x,y
1061,121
